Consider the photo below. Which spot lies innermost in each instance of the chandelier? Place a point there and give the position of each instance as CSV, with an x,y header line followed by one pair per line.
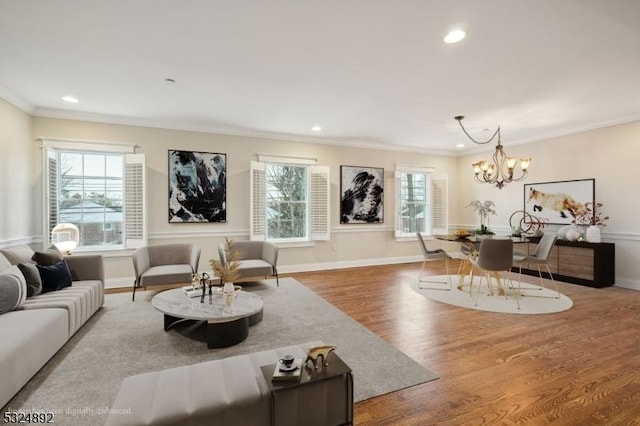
x,y
500,170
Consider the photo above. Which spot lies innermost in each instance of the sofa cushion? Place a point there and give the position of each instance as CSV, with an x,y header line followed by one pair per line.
x,y
47,257
166,274
254,268
29,340
18,254
13,289
4,262
55,277
32,277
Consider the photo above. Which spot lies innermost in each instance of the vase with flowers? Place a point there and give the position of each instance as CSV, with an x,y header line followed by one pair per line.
x,y
484,209
592,218
227,270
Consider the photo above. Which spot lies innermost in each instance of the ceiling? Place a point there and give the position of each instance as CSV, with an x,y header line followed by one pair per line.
x,y
372,73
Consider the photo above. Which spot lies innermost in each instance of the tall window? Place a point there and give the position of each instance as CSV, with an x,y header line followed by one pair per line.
x,y
287,196
90,195
414,204
99,191
289,200
421,202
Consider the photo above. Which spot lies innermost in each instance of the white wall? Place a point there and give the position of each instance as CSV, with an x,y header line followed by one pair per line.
x,y
350,245
605,154
18,182
608,154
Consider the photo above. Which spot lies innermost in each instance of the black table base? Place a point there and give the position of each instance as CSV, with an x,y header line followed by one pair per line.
x,y
220,334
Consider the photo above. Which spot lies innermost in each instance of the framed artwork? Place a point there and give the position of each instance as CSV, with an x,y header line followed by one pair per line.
x,y
197,186
558,202
361,194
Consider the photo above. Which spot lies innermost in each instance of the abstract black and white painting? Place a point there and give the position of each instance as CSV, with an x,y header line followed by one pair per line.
x,y
362,194
197,186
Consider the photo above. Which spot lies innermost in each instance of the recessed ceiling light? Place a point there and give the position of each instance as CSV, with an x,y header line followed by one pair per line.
x,y
70,99
460,145
316,128
454,36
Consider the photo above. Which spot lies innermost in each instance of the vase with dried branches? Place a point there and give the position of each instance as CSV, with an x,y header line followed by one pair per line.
x,y
227,270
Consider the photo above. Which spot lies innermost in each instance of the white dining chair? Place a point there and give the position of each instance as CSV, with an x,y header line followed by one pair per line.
x,y
540,258
430,256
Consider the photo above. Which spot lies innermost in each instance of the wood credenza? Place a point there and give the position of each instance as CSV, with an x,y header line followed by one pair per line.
x,y
590,264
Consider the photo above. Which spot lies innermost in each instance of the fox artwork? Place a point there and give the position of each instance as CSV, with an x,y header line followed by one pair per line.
x,y
562,203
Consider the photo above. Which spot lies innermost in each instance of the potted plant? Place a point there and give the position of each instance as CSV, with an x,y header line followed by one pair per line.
x,y
484,209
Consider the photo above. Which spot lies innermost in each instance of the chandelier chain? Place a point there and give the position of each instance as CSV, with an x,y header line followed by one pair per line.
x,y
501,170
497,133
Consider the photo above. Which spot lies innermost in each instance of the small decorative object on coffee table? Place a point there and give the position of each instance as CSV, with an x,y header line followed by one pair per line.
x,y
227,272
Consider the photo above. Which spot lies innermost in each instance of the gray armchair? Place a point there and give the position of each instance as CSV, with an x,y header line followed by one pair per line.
x,y
165,264
255,258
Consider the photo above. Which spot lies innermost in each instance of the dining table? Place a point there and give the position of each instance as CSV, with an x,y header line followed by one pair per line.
x,y
472,244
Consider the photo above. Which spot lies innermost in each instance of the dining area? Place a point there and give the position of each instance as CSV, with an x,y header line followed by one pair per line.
x,y
488,275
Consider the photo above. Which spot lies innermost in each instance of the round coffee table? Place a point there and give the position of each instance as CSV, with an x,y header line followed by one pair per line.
x,y
226,325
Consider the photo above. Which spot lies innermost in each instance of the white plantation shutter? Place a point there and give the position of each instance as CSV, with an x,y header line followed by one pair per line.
x,y
398,187
257,196
50,193
135,210
425,223
319,217
439,204
134,207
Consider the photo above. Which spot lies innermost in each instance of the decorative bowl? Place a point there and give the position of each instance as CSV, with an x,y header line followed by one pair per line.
x,y
462,233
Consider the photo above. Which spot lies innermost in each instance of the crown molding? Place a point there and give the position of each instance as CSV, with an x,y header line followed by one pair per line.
x,y
16,100
231,131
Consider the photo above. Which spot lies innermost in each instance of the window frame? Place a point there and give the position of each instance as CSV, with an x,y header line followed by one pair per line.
x,y
435,204
306,203
133,212
317,218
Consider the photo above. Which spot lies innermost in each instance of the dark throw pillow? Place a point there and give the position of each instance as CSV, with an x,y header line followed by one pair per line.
x,y
54,277
48,257
32,277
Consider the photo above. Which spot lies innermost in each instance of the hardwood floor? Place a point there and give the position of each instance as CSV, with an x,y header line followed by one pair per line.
x,y
579,367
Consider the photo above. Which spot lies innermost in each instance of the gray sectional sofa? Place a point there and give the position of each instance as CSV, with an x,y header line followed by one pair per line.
x,y
34,331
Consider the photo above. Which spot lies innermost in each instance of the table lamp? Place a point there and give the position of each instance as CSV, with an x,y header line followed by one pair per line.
x,y
65,236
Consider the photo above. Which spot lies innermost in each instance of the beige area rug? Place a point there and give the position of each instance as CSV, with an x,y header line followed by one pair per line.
x,y
533,299
125,338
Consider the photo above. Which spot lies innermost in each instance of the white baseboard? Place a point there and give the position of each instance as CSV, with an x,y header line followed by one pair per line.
x,y
627,283
119,282
347,264
311,267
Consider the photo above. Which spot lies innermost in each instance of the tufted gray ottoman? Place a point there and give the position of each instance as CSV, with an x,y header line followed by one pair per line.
x,y
230,391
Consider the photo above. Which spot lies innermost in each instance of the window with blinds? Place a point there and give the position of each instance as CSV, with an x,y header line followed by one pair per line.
x,y
101,192
289,201
421,202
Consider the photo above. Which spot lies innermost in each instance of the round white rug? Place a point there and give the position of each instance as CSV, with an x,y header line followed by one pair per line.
x,y
533,299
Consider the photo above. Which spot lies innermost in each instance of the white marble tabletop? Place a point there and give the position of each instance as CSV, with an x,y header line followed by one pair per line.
x,y
175,303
